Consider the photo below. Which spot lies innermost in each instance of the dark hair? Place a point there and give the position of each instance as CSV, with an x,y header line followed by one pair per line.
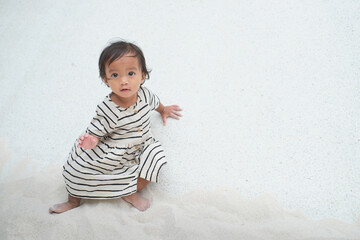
x,y
118,49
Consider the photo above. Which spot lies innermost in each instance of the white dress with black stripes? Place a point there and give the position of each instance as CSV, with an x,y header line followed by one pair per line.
x,y
125,152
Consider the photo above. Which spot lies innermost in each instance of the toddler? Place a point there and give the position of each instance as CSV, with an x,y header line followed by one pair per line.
x,y
117,156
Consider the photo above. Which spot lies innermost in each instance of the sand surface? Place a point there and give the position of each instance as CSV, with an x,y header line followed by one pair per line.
x,y
200,214
269,144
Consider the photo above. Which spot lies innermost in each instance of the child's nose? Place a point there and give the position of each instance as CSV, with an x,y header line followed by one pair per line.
x,y
123,80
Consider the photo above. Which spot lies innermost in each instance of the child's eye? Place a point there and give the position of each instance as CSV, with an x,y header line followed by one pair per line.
x,y
114,75
131,74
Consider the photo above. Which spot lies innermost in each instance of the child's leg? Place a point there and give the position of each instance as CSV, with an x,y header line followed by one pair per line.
x,y
141,184
136,200
72,202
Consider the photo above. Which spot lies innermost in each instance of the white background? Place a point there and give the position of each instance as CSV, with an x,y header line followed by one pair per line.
x,y
270,90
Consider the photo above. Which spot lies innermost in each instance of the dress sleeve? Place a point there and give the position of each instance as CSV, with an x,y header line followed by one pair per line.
x,y
103,122
150,98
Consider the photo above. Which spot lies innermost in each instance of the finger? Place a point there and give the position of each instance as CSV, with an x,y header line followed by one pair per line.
x,y
177,108
174,116
164,120
177,114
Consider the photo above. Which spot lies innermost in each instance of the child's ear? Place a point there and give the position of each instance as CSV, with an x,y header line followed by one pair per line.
x,y
143,78
105,81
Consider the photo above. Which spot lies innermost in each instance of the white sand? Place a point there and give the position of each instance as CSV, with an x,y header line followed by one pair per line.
x,y
270,92
202,214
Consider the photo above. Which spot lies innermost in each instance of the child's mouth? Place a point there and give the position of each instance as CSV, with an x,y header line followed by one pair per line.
x,y
125,90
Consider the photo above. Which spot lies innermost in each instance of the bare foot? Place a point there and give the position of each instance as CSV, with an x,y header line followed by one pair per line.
x,y
72,202
62,207
137,201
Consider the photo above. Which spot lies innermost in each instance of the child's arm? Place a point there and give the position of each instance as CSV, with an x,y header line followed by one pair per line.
x,y
101,125
87,141
169,111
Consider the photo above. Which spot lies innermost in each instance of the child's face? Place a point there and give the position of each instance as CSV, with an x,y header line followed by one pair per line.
x,y
124,77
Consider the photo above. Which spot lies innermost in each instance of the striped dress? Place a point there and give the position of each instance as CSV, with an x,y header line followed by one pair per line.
x,y
125,152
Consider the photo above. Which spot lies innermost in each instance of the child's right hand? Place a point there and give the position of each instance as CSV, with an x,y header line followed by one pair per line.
x,y
87,141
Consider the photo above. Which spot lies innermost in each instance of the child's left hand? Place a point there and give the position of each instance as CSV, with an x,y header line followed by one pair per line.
x,y
171,111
